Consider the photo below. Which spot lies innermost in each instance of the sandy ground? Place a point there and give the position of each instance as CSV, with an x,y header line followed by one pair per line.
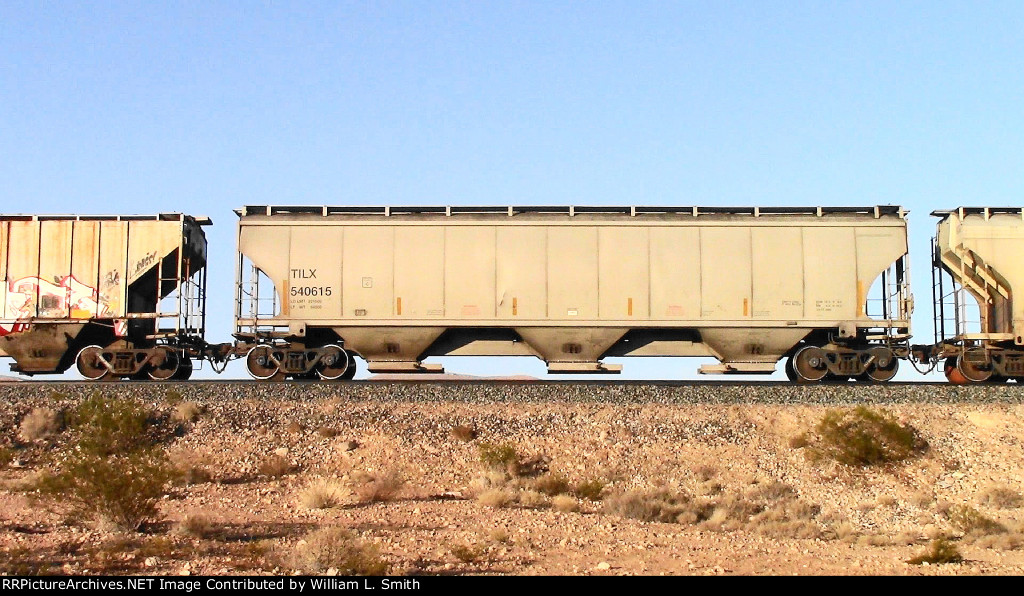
x,y
748,498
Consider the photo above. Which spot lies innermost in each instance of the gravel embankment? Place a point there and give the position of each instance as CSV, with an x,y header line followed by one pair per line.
x,y
711,441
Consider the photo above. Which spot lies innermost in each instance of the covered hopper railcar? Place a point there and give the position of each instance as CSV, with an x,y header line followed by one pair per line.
x,y
826,288
977,268
115,296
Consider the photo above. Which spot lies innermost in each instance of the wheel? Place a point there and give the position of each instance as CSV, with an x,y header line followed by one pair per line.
x,y
809,364
168,366
93,364
350,372
263,365
972,371
333,364
883,367
953,374
184,370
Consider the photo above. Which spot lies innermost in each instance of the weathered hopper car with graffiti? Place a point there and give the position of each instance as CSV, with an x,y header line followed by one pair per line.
x,y
114,296
977,268
825,288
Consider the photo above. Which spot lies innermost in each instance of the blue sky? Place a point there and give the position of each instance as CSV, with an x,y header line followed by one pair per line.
x,y
120,107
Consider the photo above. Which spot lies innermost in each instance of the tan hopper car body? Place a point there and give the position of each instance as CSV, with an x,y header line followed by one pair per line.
x,y
573,285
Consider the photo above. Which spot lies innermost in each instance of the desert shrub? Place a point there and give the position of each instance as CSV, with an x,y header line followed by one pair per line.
x,y
323,494
114,473
552,484
275,466
41,423
384,486
464,433
174,397
6,456
110,426
592,490
340,550
499,457
865,437
938,552
971,521
1001,497
187,411
122,490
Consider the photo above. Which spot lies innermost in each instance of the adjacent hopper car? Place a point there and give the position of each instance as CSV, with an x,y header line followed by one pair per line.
x,y
979,326
318,289
117,296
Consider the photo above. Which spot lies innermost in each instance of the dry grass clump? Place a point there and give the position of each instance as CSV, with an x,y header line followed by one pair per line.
x,y
939,552
194,475
922,499
373,488
327,432
799,441
772,509
705,472
1006,541
295,427
886,501
468,553
864,437
496,498
6,456
552,485
323,494
195,525
972,522
275,466
337,551
464,433
591,490
531,498
710,488
187,411
1001,497
565,503
657,505
504,457
844,532
41,423
789,518
190,468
